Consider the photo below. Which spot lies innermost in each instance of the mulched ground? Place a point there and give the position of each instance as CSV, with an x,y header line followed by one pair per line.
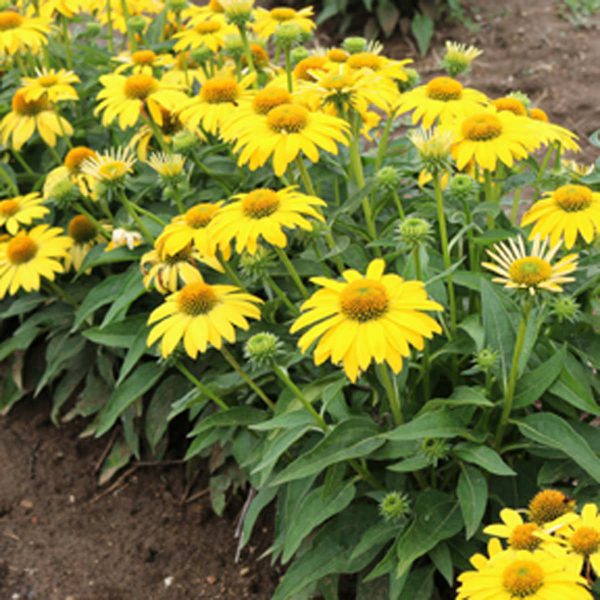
x,y
60,541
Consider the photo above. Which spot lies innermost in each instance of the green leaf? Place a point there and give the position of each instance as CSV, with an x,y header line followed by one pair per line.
x,y
484,457
133,388
354,438
422,28
437,518
100,295
22,305
554,432
137,349
573,387
234,417
435,424
119,456
59,353
498,326
315,508
472,493
261,500
97,256
286,420
442,559
531,387
461,396
19,341
377,535
410,464
117,335
388,16
133,288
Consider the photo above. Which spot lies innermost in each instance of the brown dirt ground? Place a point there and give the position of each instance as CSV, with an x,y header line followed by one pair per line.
x,y
57,545
58,541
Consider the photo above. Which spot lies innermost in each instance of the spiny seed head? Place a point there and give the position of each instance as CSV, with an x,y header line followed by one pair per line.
x,y
434,450
566,308
486,359
355,44
387,179
262,348
394,506
548,505
414,231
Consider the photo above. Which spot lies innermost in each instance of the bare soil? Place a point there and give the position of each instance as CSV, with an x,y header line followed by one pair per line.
x,y
60,541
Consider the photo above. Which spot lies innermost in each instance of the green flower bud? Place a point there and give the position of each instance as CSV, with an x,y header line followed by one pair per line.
x,y
566,308
177,5
92,29
185,142
288,34
233,45
262,348
354,45
299,53
137,24
257,265
522,98
462,188
64,192
394,506
434,450
413,80
414,231
486,358
387,179
201,54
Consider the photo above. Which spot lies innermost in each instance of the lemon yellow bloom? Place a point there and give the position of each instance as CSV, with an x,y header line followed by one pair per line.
x,y
264,213
540,575
50,84
30,256
125,98
66,8
135,8
111,166
27,117
203,32
583,538
201,315
365,318
192,228
287,131
19,33
21,210
519,269
266,21
168,166
85,236
555,133
167,273
217,98
71,169
548,505
142,61
443,99
566,213
376,63
490,136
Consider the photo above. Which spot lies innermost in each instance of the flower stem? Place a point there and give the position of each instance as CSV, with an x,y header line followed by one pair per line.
x,y
514,211
439,201
248,53
247,379
111,41
305,176
426,360
392,393
509,394
383,142
201,387
230,272
287,263
60,293
95,221
133,214
398,204
281,295
288,68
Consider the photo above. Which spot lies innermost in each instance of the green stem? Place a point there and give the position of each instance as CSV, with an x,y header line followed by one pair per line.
x,y
398,204
210,174
489,194
157,133
288,68
60,293
542,170
67,43
281,295
230,272
426,358
247,379
514,371
287,263
178,199
285,379
201,387
248,53
305,176
130,36
514,211
392,393
441,216
133,214
22,162
9,182
111,41
383,142
148,214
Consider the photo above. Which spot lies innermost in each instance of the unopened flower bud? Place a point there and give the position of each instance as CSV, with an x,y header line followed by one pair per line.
x,y
201,54
387,179
434,450
262,348
185,142
287,34
413,80
355,44
566,308
458,58
414,231
394,506
462,188
299,53
92,29
177,5
257,265
137,24
63,192
486,359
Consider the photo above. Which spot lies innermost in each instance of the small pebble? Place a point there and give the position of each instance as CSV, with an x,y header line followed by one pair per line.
x,y
244,571
211,580
168,581
26,504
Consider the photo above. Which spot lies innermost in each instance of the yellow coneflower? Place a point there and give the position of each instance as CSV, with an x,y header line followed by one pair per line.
x,y
263,213
532,271
288,131
85,235
21,210
210,32
71,170
168,166
30,256
29,116
365,318
549,505
266,21
50,84
19,33
201,315
111,166
583,538
566,213
443,99
125,98
142,61
387,67
458,57
168,273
